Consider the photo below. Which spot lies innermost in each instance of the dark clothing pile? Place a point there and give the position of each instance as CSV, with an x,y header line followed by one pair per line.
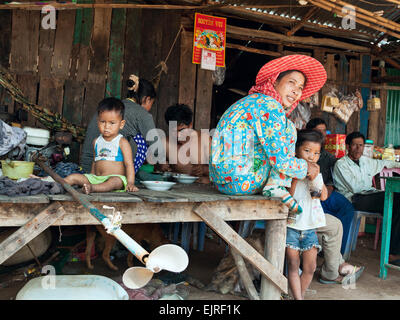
x,y
28,187
64,169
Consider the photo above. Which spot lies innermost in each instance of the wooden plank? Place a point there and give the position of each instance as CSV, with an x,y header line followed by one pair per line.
x,y
103,196
15,214
245,276
365,92
380,141
5,37
72,111
132,52
188,70
30,230
211,216
116,54
81,42
95,88
343,75
28,82
354,76
73,101
274,251
159,196
51,92
46,48
63,44
150,49
24,41
331,71
39,198
168,90
204,93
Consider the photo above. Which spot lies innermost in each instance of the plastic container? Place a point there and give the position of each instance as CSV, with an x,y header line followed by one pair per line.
x,y
72,287
37,137
17,169
369,149
388,154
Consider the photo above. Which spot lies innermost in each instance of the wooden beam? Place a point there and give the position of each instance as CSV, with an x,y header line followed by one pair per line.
x,y
15,214
254,34
308,15
211,216
392,62
384,79
373,86
30,230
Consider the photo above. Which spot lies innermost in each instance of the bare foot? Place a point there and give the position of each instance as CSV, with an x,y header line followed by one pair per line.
x,y
87,188
347,268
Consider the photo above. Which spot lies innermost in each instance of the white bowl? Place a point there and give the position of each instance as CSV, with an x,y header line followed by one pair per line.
x,y
158,185
185,178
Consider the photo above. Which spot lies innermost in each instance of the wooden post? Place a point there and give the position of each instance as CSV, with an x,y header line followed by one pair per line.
x,y
275,236
210,215
30,230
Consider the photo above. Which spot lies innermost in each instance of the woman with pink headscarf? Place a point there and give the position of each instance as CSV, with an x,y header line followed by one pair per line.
x,y
253,148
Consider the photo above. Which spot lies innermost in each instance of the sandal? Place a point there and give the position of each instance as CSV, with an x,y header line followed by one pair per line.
x,y
325,281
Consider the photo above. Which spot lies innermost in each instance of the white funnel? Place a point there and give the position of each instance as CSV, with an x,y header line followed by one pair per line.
x,y
167,257
137,277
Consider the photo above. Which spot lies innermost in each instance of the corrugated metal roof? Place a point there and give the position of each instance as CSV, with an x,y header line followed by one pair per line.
x,y
293,10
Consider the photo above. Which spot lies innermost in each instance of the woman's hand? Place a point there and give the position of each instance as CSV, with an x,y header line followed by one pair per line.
x,y
312,170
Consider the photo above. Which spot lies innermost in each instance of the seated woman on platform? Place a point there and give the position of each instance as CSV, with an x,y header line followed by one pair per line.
x,y
253,147
138,122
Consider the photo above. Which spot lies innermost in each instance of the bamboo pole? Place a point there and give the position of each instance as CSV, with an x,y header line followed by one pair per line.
x,y
326,6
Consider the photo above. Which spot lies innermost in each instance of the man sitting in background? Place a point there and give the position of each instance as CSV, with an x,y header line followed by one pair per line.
x,y
191,153
352,176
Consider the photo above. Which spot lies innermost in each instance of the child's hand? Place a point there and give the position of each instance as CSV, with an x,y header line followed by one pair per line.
x,y
312,171
131,187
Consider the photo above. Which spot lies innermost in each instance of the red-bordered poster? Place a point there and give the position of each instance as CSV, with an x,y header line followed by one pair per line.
x,y
210,34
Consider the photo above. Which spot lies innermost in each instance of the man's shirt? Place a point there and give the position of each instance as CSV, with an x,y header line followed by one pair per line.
x,y
350,178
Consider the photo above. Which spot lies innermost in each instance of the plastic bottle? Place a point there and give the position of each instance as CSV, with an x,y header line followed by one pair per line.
x,y
369,149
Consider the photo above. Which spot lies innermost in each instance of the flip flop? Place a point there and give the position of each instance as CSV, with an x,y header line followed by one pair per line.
x,y
329,281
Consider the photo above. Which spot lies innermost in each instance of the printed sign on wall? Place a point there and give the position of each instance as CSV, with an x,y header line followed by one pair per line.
x,y
209,34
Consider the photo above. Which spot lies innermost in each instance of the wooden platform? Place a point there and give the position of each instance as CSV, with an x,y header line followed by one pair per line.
x,y
182,203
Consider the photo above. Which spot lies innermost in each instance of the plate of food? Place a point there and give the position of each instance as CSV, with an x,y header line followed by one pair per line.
x,y
158,185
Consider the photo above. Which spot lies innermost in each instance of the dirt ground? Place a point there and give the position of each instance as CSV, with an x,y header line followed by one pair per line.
x,y
202,266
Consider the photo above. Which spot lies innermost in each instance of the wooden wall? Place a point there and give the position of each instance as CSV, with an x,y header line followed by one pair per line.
x,y
91,54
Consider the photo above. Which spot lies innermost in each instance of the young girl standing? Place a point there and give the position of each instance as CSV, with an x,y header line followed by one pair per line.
x,y
301,237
